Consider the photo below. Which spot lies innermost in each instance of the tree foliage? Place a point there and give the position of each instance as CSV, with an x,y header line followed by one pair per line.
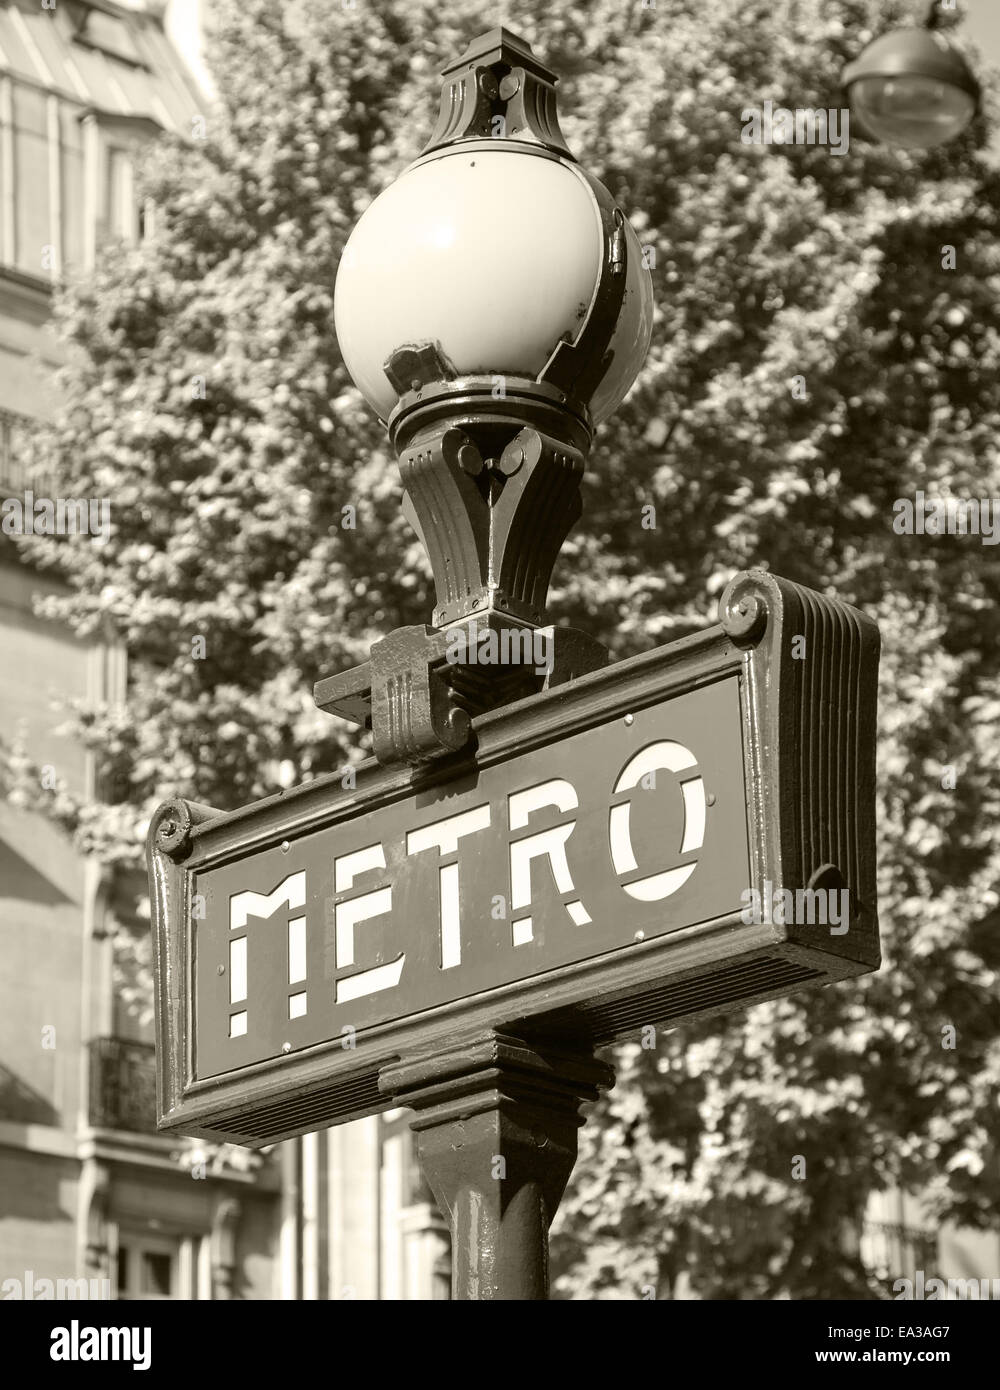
x,y
771,263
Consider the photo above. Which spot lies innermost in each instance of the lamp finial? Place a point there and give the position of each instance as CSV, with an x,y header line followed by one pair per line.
x,y
498,89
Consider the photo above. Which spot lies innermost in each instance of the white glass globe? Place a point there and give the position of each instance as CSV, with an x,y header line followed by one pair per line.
x,y
495,257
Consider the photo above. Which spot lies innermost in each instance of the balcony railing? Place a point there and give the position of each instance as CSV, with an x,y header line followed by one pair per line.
x,y
122,1085
898,1249
18,471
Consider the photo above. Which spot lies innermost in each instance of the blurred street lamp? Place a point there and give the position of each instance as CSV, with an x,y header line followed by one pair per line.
x,y
910,88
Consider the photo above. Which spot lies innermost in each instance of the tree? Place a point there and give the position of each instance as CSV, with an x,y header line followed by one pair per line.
x,y
818,354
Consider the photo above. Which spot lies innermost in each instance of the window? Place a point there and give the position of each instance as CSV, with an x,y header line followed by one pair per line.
x,y
414,1188
147,1267
22,460
13,477
111,35
122,214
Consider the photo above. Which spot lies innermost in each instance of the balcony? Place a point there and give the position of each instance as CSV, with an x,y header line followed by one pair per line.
x,y
13,473
897,1250
20,463
122,1085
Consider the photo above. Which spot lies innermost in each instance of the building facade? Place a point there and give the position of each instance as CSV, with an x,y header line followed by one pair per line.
x,y
88,1189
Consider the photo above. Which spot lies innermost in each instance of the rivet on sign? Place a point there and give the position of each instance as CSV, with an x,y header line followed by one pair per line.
x,y
286,1047
710,798
222,969
285,847
639,936
630,719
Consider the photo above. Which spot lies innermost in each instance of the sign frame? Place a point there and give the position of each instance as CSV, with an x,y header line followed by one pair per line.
x,y
806,667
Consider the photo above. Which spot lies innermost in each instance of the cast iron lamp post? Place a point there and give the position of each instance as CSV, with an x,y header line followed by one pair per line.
x,y
493,306
910,88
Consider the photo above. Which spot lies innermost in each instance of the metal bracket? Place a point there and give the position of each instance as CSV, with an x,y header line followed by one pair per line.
x,y
422,687
578,367
412,711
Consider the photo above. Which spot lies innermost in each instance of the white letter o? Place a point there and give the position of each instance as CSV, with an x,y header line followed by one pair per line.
x,y
670,757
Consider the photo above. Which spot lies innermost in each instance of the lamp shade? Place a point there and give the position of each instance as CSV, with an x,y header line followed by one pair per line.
x,y
493,254
909,88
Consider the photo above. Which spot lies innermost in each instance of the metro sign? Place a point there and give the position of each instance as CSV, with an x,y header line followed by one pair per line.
x,y
585,874
535,863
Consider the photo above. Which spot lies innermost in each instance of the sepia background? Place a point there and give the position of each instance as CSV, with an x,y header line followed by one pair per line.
x,y
177,181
